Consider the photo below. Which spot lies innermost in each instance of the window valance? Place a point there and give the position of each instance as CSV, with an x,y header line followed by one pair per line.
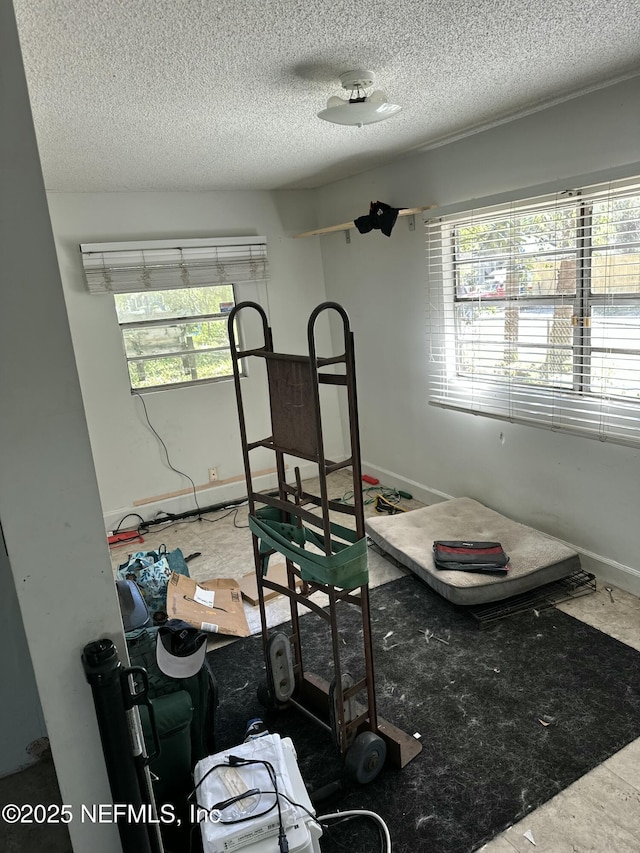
x,y
171,264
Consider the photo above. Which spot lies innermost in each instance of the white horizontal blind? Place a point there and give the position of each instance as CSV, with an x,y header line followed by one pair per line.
x,y
534,311
164,265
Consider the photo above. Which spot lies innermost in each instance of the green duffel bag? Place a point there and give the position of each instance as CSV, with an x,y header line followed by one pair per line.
x,y
184,710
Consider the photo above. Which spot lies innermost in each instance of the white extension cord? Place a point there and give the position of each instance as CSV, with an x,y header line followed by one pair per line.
x,y
361,813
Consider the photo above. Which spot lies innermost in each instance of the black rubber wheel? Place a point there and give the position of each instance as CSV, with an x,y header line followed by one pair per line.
x,y
365,758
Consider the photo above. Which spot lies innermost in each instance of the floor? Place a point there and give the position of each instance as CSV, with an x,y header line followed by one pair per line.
x,y
600,813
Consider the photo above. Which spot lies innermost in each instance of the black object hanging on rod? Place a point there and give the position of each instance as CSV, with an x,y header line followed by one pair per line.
x,y
381,217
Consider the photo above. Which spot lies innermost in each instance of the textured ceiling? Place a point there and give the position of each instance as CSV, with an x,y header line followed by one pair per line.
x,y
213,94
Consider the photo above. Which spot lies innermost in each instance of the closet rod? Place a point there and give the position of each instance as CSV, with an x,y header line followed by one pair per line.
x,y
347,226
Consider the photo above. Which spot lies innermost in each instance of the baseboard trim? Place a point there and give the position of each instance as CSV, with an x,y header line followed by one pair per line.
x,y
233,489
609,572
420,492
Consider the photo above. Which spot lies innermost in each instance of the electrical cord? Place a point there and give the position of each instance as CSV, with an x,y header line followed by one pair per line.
x,y
217,808
234,761
299,806
233,512
129,515
166,451
332,832
145,526
389,494
354,813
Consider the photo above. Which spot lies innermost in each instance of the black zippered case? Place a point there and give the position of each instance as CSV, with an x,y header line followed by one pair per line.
x,y
470,556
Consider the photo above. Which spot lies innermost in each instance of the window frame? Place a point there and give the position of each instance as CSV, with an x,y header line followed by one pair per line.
x,y
180,264
178,320
579,409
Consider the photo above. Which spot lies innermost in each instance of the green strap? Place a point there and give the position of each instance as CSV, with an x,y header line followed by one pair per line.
x,y
346,566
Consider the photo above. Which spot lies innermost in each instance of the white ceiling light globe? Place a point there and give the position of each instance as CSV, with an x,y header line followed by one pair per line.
x,y
360,109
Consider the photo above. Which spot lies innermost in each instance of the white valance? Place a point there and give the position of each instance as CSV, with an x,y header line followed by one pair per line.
x,y
171,264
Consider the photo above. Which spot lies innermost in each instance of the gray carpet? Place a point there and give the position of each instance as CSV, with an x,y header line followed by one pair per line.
x,y
509,716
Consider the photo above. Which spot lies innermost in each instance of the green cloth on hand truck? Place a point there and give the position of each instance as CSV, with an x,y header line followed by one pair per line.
x,y
346,567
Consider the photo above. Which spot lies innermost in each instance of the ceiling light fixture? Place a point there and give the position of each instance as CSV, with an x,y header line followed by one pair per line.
x,y
360,108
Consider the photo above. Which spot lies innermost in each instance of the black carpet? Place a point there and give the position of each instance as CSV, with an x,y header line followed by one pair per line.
x,y
479,699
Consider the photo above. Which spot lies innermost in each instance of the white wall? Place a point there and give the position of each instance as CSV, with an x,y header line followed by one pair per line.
x,y
199,424
21,720
49,506
580,490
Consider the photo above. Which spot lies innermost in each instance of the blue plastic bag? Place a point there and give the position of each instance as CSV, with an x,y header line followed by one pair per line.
x,y
151,571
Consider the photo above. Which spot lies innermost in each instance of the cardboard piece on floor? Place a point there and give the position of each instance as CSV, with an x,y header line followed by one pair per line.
x,y
276,573
214,606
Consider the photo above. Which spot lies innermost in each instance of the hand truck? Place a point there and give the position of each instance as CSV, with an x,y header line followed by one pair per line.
x,y
336,565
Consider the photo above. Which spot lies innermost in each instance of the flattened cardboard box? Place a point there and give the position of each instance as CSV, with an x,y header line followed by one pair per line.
x,y
276,573
214,606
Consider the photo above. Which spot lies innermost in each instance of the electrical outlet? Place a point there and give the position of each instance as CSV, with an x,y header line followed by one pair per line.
x,y
213,475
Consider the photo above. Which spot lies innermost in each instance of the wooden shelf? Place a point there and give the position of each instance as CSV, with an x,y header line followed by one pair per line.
x,y
347,226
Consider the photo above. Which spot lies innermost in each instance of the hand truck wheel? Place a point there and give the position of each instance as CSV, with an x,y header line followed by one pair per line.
x,y
365,758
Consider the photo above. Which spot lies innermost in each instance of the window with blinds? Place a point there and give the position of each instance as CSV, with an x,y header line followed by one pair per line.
x,y
172,300
535,311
